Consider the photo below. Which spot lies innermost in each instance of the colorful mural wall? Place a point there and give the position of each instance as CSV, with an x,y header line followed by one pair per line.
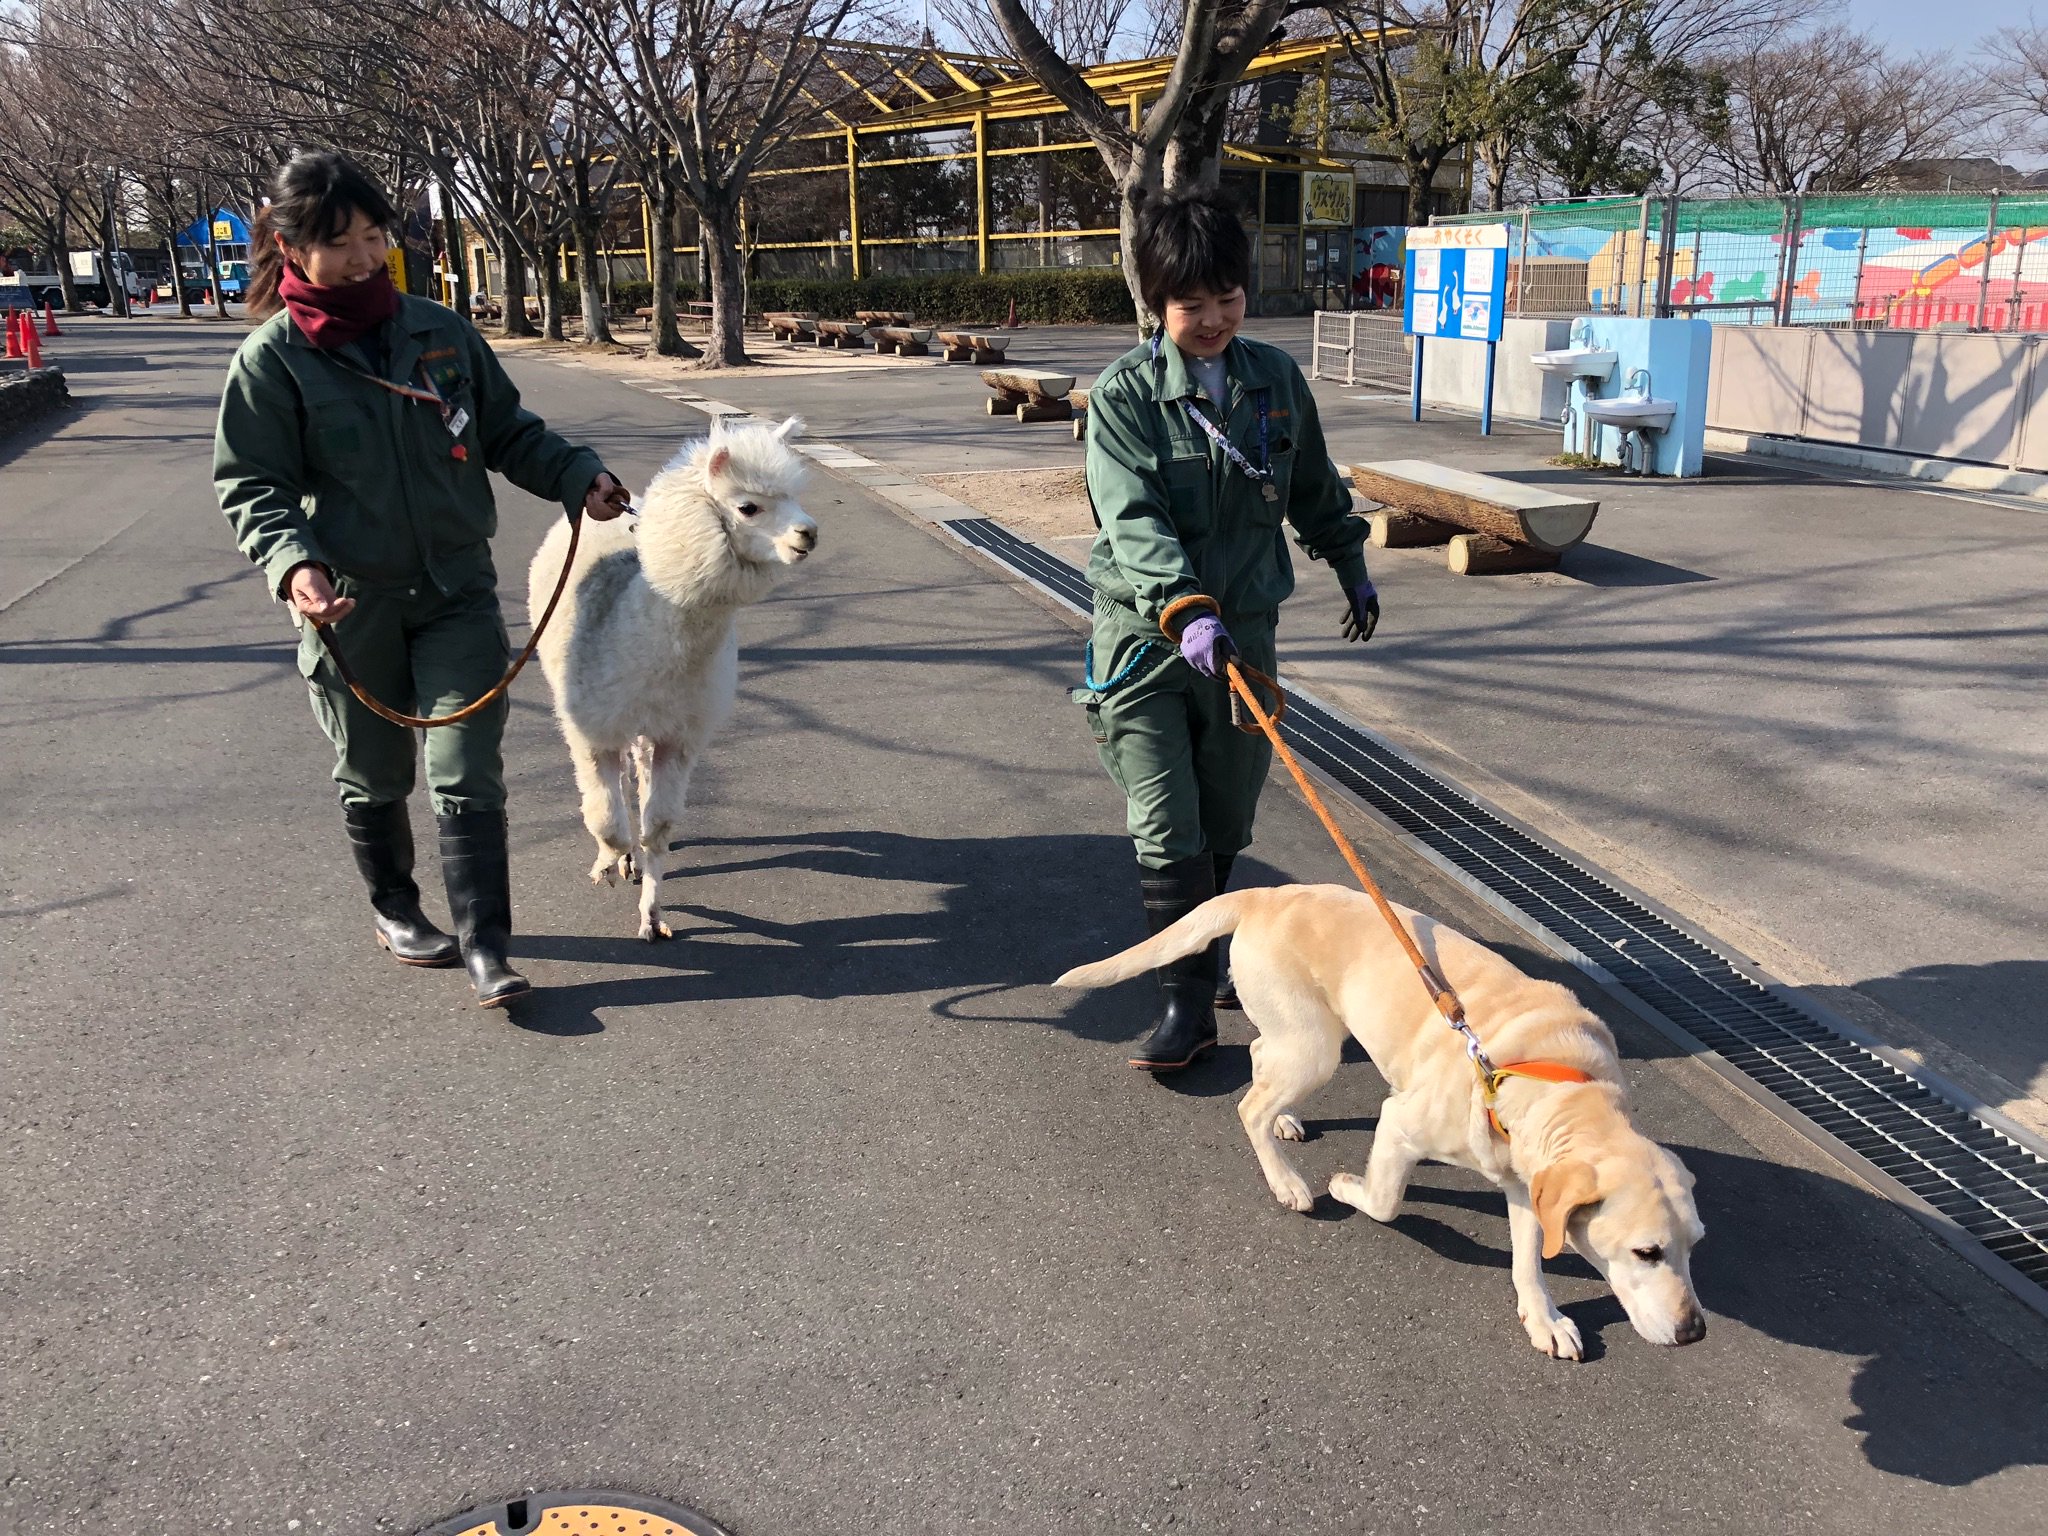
x,y
1907,277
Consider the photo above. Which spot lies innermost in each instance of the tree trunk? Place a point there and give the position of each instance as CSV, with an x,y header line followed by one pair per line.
x,y
661,269
60,257
1421,178
551,289
596,331
719,230
177,272
516,323
1141,180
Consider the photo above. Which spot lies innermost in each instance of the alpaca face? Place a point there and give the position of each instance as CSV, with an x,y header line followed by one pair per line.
x,y
751,476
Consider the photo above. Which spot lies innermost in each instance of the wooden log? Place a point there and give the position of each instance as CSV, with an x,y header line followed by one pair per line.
x,y
1044,410
1481,554
1521,514
1038,383
1395,529
882,316
1004,405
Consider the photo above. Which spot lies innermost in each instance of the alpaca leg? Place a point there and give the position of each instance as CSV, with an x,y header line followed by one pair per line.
x,y
664,785
604,810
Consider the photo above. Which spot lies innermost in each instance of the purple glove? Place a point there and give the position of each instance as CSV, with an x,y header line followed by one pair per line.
x,y
1364,615
1206,645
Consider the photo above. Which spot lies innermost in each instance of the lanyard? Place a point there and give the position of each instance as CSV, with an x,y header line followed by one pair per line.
x,y
1261,474
454,418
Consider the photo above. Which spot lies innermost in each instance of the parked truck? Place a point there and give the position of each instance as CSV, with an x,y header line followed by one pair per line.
x,y
88,280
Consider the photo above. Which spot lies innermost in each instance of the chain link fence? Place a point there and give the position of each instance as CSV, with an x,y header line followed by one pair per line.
x,y
1871,261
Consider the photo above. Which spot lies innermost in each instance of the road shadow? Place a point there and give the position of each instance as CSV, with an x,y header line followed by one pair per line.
x,y
1598,566
1997,1013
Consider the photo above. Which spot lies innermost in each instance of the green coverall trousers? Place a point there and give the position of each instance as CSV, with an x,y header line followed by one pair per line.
x,y
1192,778
421,652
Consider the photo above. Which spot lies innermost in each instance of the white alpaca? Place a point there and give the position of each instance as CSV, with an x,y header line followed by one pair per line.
x,y
643,654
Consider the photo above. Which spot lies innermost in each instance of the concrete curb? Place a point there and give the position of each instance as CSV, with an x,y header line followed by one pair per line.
x,y
1872,461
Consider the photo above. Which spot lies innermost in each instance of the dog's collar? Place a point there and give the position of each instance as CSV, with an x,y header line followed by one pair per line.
x,y
1542,1071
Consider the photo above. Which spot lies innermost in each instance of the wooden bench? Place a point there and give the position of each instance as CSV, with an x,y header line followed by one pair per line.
x,y
977,345
892,317
903,340
1078,399
1030,394
791,329
847,335
1489,524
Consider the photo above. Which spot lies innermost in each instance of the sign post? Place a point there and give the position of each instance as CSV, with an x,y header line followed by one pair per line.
x,y
1456,289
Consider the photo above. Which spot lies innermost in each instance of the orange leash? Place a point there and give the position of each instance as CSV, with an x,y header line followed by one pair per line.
x,y
1245,680
420,722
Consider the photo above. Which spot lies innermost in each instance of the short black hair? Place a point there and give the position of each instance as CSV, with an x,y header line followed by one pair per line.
x,y
313,197
1189,241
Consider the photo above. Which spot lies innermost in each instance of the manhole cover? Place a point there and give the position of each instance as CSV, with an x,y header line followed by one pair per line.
x,y
584,1512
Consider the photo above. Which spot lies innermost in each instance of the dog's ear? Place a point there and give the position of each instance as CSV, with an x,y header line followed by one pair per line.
x,y
791,429
1556,1192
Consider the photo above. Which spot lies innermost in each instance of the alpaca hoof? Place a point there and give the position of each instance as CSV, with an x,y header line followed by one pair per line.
x,y
629,868
655,932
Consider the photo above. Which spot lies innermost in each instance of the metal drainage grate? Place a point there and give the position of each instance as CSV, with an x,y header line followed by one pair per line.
x,y
579,1512
1990,1193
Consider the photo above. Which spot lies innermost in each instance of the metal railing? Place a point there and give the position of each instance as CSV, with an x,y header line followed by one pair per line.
x,y
1360,346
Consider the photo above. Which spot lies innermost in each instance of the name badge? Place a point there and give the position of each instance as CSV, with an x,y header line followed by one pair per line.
x,y
458,421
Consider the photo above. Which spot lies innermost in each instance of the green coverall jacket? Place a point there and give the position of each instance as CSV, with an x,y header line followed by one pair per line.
x,y
1177,518
315,461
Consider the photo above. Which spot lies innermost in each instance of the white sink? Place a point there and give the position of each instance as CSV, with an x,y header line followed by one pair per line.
x,y
1576,362
1639,413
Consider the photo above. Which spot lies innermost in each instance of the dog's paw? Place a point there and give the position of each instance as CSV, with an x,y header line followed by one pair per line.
x,y
1291,1190
1554,1334
1288,1128
1351,1189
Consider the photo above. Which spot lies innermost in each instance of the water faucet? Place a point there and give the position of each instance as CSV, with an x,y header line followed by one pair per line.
x,y
1577,334
1635,374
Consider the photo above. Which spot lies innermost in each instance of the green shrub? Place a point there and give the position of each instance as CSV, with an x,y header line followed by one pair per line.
x,y
1057,297
629,296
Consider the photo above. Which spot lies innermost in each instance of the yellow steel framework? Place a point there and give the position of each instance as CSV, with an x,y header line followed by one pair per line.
x,y
867,91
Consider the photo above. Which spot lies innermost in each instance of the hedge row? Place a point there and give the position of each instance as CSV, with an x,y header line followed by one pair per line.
x,y
1092,296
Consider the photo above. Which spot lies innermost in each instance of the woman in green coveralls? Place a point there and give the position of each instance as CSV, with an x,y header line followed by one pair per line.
x,y
1201,443
356,434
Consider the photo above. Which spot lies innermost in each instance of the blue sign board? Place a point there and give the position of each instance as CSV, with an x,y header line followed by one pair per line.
x,y
1456,289
1457,292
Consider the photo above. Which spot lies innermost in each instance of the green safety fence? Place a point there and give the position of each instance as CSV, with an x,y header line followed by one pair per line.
x,y
1750,215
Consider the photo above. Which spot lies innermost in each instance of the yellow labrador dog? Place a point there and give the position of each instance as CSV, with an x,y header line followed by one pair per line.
x,y
1313,961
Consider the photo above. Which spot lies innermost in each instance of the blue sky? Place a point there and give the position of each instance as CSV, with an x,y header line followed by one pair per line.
x,y
1919,24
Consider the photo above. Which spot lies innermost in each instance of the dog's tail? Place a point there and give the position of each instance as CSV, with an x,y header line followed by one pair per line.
x,y
1200,928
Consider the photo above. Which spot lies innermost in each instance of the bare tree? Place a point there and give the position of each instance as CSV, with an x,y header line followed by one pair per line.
x,y
2017,86
1833,110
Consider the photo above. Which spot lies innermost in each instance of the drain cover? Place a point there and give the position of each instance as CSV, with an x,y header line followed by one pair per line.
x,y
581,1512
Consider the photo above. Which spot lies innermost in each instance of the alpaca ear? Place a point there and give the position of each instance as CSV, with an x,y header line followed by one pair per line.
x,y
792,428
716,461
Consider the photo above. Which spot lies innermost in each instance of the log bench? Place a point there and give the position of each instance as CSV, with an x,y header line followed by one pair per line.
x,y
1030,394
1078,399
791,329
982,345
846,335
1488,524
878,317
903,340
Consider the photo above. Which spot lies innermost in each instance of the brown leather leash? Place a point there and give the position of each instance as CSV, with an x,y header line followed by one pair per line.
x,y
370,702
1245,682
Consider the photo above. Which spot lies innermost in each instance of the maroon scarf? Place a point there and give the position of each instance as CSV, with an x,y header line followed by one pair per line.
x,y
337,314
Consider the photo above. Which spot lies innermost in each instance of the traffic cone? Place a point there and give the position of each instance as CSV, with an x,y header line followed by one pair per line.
x,y
30,345
14,346
49,320
1011,323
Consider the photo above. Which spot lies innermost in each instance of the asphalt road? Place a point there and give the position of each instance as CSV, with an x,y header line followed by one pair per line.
x,y
829,1216
1798,710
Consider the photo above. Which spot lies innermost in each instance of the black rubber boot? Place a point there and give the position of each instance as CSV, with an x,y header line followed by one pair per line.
x,y
1226,984
381,838
474,863
1187,988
